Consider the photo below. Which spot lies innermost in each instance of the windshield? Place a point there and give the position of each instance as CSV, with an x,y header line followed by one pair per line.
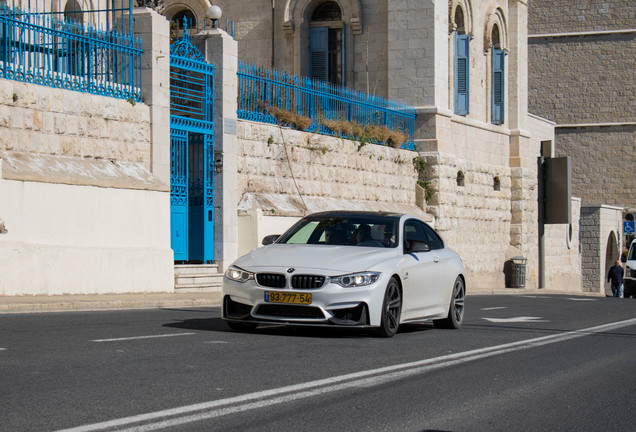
x,y
632,253
363,231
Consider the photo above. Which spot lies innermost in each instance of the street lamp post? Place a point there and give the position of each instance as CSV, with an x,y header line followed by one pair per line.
x,y
214,13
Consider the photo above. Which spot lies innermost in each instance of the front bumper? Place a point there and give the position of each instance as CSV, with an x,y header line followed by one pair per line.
x,y
331,305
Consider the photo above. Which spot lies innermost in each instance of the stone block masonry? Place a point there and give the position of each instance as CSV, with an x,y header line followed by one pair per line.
x,y
44,120
297,166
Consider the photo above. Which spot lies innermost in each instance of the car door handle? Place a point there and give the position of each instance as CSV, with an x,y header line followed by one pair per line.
x,y
436,259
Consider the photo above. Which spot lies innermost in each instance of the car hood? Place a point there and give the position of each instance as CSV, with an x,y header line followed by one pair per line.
x,y
331,260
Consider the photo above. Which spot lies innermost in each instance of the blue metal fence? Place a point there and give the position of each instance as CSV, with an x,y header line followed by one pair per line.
x,y
61,49
260,89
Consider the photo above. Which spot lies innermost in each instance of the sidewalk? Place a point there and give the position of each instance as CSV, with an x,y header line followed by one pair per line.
x,y
67,303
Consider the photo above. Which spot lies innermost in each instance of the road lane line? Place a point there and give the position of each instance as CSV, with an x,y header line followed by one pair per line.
x,y
142,337
217,408
494,308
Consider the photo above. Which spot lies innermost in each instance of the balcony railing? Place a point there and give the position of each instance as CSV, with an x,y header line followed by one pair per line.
x,y
61,50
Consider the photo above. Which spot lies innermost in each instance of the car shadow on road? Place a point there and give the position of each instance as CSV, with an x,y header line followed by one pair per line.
x,y
219,325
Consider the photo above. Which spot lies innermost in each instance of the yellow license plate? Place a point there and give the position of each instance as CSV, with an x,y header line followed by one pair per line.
x,y
287,297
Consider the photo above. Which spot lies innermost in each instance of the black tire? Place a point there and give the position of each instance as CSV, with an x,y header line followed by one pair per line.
x,y
241,326
455,315
391,310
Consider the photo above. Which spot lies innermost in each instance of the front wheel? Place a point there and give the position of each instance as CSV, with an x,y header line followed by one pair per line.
x,y
456,309
391,309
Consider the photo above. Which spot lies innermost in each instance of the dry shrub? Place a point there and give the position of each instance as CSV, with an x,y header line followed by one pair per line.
x,y
397,138
290,118
343,128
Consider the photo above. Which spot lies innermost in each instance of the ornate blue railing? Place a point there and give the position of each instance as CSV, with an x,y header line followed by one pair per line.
x,y
59,50
260,89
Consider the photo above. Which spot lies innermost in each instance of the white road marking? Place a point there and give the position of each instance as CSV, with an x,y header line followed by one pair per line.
x,y
2,349
217,408
495,308
521,319
581,299
534,296
142,337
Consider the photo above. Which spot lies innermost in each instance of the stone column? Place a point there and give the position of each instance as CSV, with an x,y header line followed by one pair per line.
x,y
220,50
153,29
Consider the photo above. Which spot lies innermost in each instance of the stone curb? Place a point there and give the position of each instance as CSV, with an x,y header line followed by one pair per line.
x,y
77,303
35,304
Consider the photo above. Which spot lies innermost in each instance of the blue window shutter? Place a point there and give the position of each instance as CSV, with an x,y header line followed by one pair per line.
x,y
318,52
462,75
498,88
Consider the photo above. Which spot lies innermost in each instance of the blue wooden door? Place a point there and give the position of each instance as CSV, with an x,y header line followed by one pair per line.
x,y
179,193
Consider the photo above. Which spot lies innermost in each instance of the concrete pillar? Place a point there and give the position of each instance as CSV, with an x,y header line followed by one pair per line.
x,y
154,31
221,50
518,66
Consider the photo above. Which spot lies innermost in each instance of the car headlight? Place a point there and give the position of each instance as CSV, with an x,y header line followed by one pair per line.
x,y
238,274
356,279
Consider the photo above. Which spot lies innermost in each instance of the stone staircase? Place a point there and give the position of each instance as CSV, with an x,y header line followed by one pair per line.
x,y
197,278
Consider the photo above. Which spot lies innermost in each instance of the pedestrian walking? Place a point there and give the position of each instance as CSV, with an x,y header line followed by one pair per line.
x,y
615,276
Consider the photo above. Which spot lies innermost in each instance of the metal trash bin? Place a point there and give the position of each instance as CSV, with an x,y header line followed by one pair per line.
x,y
518,272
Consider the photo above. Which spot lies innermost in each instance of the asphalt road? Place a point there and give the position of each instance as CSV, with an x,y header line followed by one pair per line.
x,y
557,363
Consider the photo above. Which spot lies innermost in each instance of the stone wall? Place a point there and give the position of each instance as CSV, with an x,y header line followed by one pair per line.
x,y
569,76
44,120
563,253
584,81
288,172
603,161
548,16
600,234
475,218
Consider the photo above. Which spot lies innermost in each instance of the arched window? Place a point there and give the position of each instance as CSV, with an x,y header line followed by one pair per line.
x,y
185,15
73,11
326,43
461,64
329,11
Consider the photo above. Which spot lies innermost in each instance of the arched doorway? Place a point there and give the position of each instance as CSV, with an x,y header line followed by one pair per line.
x,y
611,255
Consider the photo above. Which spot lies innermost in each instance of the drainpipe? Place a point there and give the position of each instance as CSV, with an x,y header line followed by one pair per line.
x,y
273,27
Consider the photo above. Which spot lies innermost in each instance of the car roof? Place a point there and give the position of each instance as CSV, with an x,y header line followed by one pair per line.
x,y
357,213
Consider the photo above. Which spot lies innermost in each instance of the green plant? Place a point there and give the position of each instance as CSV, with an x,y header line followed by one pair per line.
x,y
419,163
15,97
270,140
131,101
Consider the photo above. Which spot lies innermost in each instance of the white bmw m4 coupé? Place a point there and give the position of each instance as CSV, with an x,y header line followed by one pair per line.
x,y
348,269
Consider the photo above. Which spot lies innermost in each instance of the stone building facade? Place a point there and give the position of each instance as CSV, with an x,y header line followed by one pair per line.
x,y
582,56
481,163
462,64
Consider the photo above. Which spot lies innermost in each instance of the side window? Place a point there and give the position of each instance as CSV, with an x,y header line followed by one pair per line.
x,y
416,230
434,241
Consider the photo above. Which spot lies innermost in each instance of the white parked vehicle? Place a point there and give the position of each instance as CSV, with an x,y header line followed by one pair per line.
x,y
629,279
349,269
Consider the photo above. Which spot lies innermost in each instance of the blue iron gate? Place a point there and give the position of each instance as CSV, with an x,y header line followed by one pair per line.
x,y
191,153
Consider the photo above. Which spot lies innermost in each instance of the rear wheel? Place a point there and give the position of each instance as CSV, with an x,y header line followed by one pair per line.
x,y
241,326
391,309
456,309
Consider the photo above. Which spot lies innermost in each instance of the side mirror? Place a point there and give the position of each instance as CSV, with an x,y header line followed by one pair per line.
x,y
270,239
413,246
